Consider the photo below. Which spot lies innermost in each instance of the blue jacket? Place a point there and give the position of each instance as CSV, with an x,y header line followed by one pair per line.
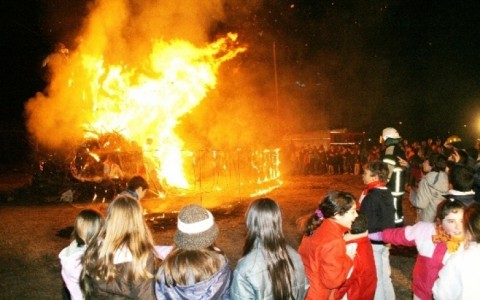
x,y
252,281
215,287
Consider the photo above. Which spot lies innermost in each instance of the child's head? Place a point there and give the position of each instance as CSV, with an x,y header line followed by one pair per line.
x,y
264,220
139,185
125,224
472,222
196,228
360,225
336,205
87,225
461,178
436,162
450,216
373,169
194,257
136,182
264,226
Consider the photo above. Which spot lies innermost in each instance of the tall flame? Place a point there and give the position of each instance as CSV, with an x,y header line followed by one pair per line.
x,y
140,93
149,104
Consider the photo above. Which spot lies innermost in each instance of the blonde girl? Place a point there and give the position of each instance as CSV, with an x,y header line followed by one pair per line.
x,y
120,262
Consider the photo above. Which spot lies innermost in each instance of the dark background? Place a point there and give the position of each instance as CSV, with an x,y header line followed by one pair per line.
x,y
363,65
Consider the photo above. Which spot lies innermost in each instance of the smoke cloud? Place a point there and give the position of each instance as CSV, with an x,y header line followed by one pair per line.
x,y
119,32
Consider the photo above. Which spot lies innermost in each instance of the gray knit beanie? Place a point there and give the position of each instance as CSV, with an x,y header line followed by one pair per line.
x,y
196,228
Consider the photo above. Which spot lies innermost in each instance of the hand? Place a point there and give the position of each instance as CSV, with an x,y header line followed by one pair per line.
x,y
352,250
376,236
454,156
402,162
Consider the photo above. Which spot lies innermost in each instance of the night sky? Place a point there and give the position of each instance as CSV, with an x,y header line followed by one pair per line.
x,y
361,65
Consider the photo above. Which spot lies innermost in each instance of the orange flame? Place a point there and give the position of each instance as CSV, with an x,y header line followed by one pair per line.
x,y
149,104
143,103
126,75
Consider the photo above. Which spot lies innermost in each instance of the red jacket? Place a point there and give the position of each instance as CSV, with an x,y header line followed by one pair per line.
x,y
363,281
325,258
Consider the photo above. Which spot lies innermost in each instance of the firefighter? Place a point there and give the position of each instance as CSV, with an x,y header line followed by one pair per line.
x,y
457,153
394,156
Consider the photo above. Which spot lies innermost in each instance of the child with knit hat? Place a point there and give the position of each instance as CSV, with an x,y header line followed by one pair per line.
x,y
195,268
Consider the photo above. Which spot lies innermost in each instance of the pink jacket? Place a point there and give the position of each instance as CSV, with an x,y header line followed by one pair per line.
x,y
430,258
70,259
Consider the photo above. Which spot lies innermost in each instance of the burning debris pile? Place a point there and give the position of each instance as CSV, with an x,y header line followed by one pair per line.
x,y
98,169
108,157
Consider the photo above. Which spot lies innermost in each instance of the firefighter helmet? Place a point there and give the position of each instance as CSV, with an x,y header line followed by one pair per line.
x,y
390,133
452,141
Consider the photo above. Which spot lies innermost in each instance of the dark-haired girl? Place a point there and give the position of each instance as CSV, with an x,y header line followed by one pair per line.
x,y
269,269
458,279
323,249
435,243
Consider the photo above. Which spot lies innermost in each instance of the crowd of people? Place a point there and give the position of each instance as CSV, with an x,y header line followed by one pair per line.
x,y
319,160
114,257
343,253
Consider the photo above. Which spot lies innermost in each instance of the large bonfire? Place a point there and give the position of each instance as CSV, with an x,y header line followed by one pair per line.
x,y
125,87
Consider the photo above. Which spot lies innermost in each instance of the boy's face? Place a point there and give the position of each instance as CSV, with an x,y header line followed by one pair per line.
x,y
368,177
141,193
426,166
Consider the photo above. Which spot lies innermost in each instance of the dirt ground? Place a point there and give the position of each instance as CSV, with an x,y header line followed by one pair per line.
x,y
32,234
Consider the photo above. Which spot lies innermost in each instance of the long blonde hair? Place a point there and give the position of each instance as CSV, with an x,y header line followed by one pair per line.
x,y
124,229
